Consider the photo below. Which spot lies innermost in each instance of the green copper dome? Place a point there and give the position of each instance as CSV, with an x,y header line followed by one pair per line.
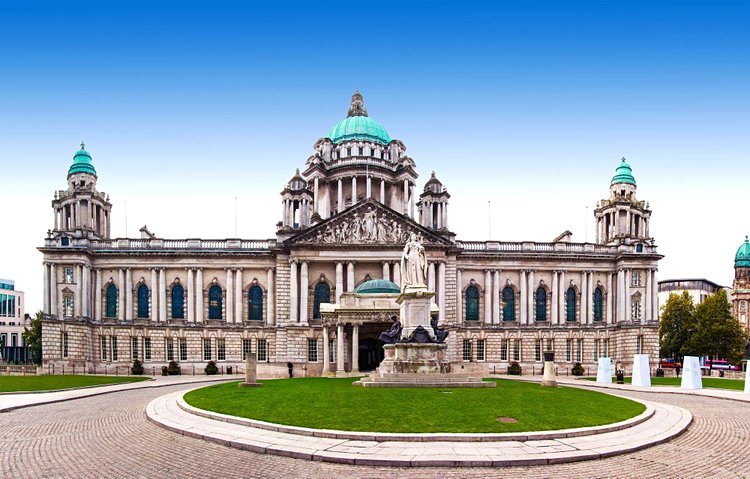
x,y
742,258
375,286
623,174
359,128
82,163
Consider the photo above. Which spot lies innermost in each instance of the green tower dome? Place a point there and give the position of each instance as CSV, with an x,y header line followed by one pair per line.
x,y
742,258
377,286
623,174
358,126
82,162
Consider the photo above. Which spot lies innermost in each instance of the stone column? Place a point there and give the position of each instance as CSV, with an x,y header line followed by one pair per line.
x,y
459,299
397,273
524,298
496,298
620,295
199,295
270,298
487,297
293,292
369,187
382,191
128,295
647,303
46,288
654,297
590,298
610,297
340,197
238,287
121,304
445,215
162,294
584,298
86,294
190,296
386,271
77,310
53,290
350,276
441,285
303,292
555,295
154,295
532,303
411,201
431,279
628,315
355,348
405,208
354,190
339,281
98,296
326,352
229,303
340,348
316,198
561,298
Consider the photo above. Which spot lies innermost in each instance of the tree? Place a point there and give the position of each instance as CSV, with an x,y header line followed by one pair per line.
x,y
677,326
33,338
718,334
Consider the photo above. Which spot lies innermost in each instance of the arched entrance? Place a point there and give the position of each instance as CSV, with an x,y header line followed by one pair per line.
x,y
370,354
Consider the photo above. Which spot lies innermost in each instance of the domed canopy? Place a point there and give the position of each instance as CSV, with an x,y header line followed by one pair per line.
x,y
82,162
377,286
742,258
623,174
358,126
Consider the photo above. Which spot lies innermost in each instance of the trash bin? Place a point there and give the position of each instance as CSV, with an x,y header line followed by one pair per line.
x,y
659,373
164,371
229,369
620,376
721,374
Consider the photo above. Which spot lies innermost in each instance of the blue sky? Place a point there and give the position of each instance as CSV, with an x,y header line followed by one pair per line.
x,y
528,105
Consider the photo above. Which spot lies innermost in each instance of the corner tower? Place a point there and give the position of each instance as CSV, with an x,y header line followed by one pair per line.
x,y
433,205
741,285
622,219
81,211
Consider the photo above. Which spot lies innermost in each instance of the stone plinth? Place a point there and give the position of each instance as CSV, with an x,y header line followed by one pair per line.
x,y
641,371
691,373
604,371
415,309
549,378
251,372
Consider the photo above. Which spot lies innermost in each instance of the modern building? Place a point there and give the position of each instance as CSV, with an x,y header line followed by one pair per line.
x,y
320,292
698,288
13,321
741,284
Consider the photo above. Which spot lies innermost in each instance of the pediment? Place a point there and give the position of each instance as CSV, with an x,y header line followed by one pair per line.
x,y
368,223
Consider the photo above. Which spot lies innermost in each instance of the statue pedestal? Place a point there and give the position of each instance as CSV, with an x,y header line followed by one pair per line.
x,y
549,379
251,372
415,309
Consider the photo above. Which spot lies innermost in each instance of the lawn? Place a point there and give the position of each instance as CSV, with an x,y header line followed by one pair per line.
x,y
45,383
325,403
712,383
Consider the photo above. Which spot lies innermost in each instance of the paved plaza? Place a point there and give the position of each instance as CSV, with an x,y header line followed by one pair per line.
x,y
110,436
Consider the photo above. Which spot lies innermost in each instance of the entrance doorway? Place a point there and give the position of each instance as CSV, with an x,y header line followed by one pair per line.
x,y
370,354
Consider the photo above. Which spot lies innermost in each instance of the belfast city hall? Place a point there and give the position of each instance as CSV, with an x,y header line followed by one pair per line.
x,y
319,294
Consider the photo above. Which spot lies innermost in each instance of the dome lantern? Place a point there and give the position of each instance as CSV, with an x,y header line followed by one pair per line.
x,y
358,125
82,162
742,258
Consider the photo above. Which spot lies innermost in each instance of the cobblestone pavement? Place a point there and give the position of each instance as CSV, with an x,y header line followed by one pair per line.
x,y
109,436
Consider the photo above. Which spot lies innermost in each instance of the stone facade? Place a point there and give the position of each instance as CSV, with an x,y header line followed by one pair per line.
x,y
345,219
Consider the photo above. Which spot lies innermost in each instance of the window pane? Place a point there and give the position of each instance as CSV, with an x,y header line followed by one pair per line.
x,y
143,301
322,295
110,311
255,303
541,304
178,302
509,304
570,307
472,304
214,302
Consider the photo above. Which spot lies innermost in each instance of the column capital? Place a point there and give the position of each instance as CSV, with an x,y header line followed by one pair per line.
x,y
271,269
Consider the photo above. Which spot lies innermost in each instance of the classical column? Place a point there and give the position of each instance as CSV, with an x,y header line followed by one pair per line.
x,y
340,348
654,297
584,298
355,348
487,297
647,303
162,294
431,279
386,271
340,197
610,297
531,309
293,292
524,298
86,291
405,208
590,298
98,295
369,187
561,298
154,295
199,295
238,287
46,288
382,191
441,285
354,190
303,292
53,290
350,276
229,304
128,295
459,299
122,303
339,281
190,296
628,311
270,298
496,298
620,295
316,202
555,295
397,273
326,351
445,215
77,309
411,201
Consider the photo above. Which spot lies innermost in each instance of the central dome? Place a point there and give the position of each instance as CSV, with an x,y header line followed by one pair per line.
x,y
742,258
377,286
358,126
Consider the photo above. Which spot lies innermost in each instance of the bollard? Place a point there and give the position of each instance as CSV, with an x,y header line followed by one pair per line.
x,y
193,369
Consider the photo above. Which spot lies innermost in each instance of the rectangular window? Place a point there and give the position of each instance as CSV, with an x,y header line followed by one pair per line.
x,y
538,350
568,350
67,305
133,348
261,350
169,349
596,350
361,151
550,345
64,345
147,349
639,345
68,274
221,349
636,278
467,350
312,350
605,348
113,344
206,349
104,348
504,350
331,350
579,350
516,350
636,310
183,349
246,348
480,349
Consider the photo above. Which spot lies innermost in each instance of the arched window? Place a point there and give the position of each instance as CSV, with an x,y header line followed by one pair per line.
x,y
509,304
570,308
472,303
322,295
214,302
110,311
598,314
178,302
541,304
255,304
143,301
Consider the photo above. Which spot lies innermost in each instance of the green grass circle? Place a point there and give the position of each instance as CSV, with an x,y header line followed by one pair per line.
x,y
58,382
324,403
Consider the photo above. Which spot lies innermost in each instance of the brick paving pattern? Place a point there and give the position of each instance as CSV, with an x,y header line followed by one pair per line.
x,y
109,436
